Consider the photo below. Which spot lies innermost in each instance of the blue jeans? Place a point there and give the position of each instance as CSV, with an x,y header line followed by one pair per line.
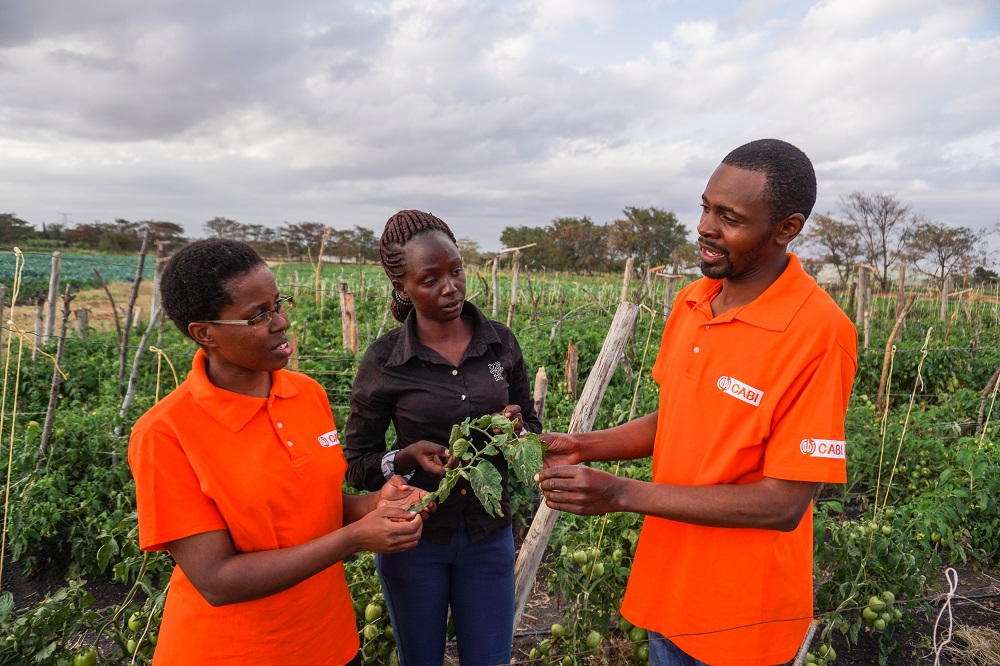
x,y
475,578
663,652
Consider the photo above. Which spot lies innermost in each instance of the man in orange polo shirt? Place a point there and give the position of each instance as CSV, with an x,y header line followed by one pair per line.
x,y
755,370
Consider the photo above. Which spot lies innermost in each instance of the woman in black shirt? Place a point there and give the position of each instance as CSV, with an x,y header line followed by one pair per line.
x,y
446,363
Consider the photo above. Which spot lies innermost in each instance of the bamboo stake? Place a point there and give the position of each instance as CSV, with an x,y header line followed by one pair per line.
x,y
582,420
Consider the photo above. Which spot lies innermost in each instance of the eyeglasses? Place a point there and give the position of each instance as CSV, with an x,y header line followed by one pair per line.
x,y
281,306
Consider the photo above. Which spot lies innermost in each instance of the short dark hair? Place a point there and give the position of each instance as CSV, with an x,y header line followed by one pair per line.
x,y
791,181
399,230
194,283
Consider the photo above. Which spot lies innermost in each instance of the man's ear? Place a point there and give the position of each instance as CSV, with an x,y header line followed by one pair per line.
x,y
789,228
201,333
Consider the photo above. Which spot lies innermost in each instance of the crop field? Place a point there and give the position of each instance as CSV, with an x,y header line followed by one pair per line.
x,y
921,497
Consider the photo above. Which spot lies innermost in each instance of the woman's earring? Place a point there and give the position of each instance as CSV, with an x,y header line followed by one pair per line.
x,y
396,296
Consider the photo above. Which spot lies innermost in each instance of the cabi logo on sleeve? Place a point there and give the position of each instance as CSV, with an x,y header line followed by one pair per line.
x,y
329,439
822,448
740,390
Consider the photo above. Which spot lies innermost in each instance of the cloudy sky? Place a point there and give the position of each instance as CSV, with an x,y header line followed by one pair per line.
x,y
489,113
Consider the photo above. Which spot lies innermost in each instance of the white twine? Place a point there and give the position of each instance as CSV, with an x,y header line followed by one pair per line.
x,y
952,577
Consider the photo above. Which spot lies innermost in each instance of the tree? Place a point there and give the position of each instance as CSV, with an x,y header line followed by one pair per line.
x,y
647,234
579,244
941,251
884,226
469,249
13,229
367,244
541,254
223,227
167,232
835,242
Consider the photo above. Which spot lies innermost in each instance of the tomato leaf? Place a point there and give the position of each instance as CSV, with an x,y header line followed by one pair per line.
x,y
525,457
488,486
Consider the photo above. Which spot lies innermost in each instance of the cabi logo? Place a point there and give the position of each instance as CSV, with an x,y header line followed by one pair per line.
x,y
329,439
740,390
822,448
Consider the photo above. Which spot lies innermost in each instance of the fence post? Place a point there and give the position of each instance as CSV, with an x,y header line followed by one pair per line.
x,y
496,287
82,322
50,311
515,275
582,420
627,280
944,298
541,389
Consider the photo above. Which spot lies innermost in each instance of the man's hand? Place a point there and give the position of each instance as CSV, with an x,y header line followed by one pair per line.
x,y
428,456
579,489
562,449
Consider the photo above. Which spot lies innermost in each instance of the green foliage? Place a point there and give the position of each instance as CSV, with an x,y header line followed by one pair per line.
x,y
523,456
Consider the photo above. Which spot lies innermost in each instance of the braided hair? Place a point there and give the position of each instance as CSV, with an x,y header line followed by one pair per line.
x,y
400,229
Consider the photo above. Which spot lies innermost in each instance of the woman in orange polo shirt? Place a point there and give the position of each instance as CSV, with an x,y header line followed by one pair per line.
x,y
239,476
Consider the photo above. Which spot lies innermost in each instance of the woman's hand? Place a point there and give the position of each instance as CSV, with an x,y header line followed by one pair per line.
x,y
397,494
388,529
512,412
430,457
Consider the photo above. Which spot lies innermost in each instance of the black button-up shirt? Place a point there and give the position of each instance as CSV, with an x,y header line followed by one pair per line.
x,y
423,395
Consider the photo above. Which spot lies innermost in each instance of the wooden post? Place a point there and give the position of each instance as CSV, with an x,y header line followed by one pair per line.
x,y
345,324
496,287
39,325
627,279
571,369
515,274
902,289
82,322
133,295
880,400
352,323
50,298
668,290
136,317
533,547
944,298
158,266
50,411
541,389
862,292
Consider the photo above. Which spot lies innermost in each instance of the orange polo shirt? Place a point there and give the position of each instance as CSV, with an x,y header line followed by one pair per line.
x,y
268,470
756,391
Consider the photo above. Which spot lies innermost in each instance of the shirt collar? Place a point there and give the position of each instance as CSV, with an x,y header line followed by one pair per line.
x,y
773,309
232,410
408,346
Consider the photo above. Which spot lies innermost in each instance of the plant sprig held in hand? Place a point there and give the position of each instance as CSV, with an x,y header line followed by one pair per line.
x,y
523,456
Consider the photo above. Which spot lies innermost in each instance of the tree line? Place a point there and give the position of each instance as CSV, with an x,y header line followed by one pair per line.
x,y
875,229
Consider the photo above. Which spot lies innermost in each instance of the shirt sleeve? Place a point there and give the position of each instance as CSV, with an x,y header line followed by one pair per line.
x,y
520,388
807,442
169,500
367,422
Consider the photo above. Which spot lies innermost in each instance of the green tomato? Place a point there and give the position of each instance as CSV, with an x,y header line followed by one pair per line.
x,y
387,632
831,655
823,649
878,625
131,646
876,604
152,639
567,661
638,634
86,658
886,530
889,597
136,622
593,639
869,614
598,569
890,512
624,624
810,658
580,556
371,632
558,631
617,555
372,612
897,614
533,654
643,652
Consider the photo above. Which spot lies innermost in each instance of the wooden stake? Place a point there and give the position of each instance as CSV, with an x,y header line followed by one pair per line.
x,y
541,389
50,311
533,547
571,369
627,279
515,274
880,396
